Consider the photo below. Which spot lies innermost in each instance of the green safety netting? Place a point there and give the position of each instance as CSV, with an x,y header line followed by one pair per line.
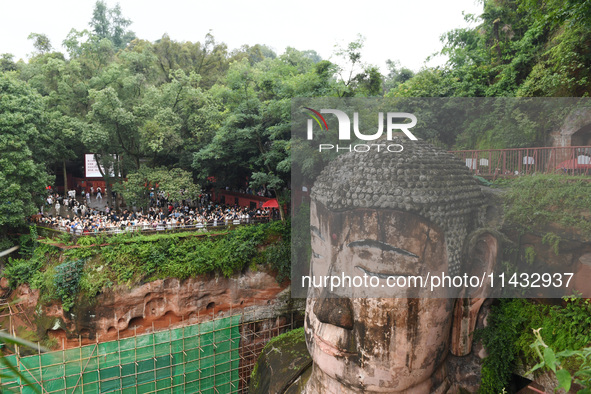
x,y
198,358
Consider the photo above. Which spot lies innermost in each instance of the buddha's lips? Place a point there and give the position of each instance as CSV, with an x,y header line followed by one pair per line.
x,y
331,349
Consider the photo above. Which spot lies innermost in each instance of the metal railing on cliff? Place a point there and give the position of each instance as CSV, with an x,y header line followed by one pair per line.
x,y
571,160
50,231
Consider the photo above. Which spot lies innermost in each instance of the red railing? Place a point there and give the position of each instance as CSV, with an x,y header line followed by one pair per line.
x,y
572,160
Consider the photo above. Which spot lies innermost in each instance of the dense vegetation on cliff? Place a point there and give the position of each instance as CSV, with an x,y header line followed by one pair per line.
x,y
533,202
522,48
545,219
510,335
515,48
64,272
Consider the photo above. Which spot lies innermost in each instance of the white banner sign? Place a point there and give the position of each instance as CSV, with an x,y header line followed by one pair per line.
x,y
91,167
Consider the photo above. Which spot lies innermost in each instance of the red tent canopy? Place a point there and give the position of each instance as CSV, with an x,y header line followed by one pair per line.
x,y
271,204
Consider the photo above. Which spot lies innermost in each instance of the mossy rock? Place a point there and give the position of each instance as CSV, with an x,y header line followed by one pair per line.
x,y
281,363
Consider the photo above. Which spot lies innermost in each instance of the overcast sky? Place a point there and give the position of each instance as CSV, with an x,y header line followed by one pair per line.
x,y
407,31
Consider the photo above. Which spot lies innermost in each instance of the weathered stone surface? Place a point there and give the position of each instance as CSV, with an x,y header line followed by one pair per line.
x,y
4,287
546,380
281,364
122,312
573,254
582,280
573,123
391,216
464,372
465,316
285,357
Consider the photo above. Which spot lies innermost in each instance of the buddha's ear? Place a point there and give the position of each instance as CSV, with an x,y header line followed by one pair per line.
x,y
481,257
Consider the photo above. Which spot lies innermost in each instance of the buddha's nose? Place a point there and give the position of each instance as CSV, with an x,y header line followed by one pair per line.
x,y
335,311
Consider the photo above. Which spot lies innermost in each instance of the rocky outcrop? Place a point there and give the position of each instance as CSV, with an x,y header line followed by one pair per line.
x,y
121,312
281,365
578,120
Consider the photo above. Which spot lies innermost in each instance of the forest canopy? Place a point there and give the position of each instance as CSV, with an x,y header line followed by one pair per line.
x,y
207,110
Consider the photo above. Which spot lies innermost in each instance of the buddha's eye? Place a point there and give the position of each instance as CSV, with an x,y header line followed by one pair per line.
x,y
364,254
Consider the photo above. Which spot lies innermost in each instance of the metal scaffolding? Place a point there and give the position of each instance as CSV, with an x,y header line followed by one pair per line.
x,y
215,356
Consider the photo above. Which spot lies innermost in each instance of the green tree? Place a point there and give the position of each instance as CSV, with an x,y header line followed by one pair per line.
x,y
22,174
523,48
41,42
430,82
109,23
7,62
254,54
64,93
208,59
396,75
519,48
175,183
253,142
369,83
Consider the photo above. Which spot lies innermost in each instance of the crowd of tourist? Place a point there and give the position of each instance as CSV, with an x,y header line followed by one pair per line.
x,y
79,217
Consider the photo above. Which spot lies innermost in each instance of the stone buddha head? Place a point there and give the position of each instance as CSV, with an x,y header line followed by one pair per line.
x,y
384,218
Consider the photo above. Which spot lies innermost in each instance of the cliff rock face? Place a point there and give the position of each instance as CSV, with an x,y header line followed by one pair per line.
x,y
122,312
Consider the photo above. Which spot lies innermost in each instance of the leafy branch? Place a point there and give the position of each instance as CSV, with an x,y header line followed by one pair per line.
x,y
555,361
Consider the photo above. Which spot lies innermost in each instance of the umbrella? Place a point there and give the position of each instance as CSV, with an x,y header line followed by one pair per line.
x,y
271,204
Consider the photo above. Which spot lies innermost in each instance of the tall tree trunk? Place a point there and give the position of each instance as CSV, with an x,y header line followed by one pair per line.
x,y
109,195
107,179
280,206
118,174
65,178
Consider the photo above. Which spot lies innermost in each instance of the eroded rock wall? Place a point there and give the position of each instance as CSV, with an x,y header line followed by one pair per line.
x,y
121,312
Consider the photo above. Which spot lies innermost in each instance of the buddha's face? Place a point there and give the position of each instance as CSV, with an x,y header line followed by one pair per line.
x,y
377,343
